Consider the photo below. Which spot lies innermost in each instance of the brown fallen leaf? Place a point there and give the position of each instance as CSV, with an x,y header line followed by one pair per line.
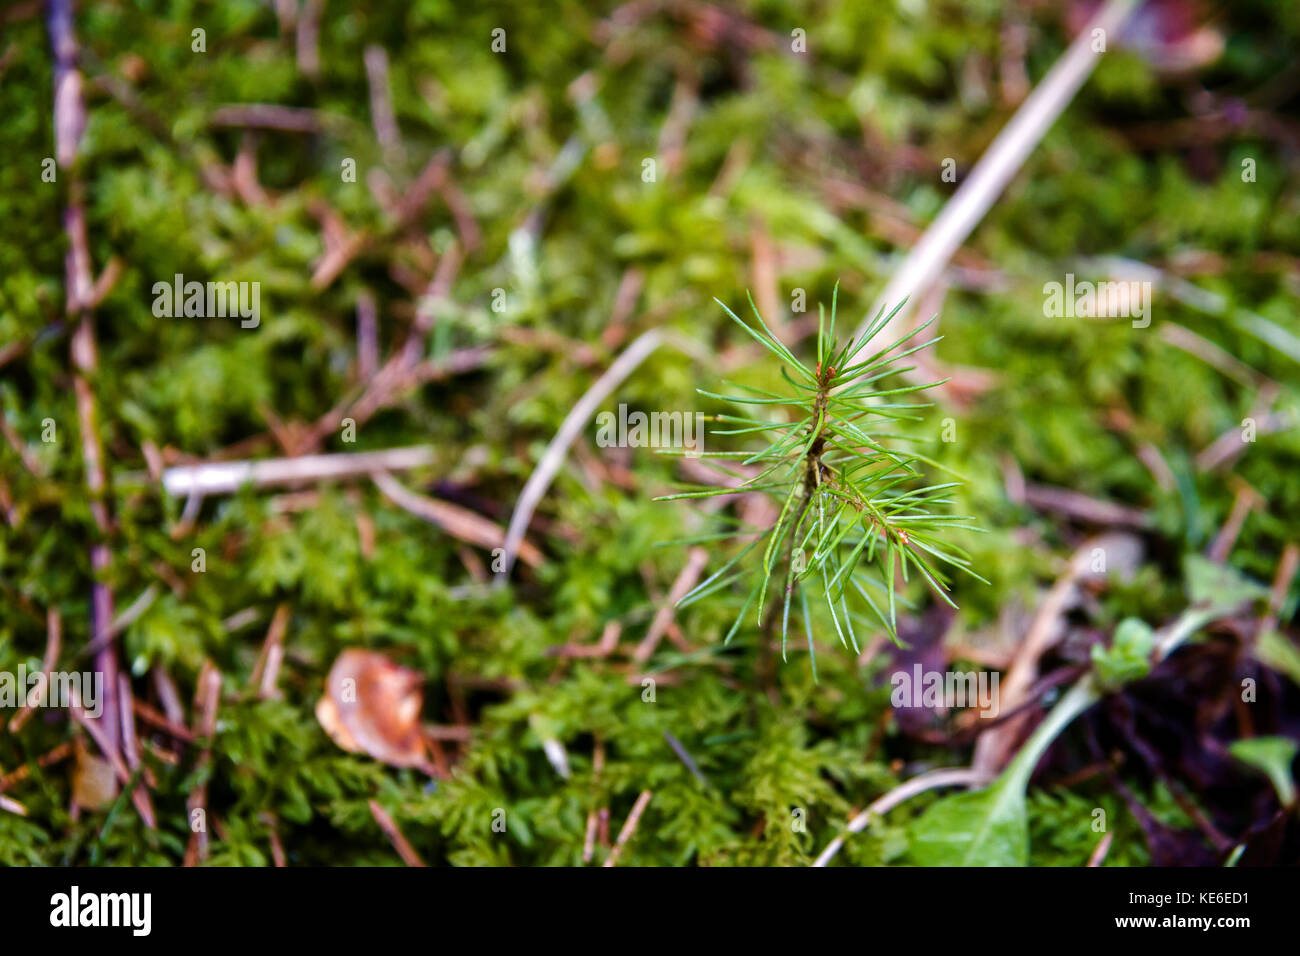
x,y
94,783
372,706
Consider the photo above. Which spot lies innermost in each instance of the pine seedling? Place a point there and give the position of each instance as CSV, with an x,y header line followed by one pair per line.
x,y
853,509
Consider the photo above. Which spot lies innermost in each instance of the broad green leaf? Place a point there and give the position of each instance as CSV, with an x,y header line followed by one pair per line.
x,y
1272,756
1276,651
1217,586
977,828
989,827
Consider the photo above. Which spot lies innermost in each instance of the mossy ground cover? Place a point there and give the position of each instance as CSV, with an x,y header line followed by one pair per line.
x,y
772,169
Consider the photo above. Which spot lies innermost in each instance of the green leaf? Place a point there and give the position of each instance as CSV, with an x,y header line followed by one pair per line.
x,y
1127,659
989,827
1218,587
986,827
1272,756
1276,651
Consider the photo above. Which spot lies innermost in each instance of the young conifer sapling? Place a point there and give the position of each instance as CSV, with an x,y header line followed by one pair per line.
x,y
853,507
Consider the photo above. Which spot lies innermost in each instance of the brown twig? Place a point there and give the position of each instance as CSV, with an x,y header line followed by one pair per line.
x,y
460,523
161,722
629,827
273,836
207,696
1286,570
394,834
267,669
1247,498
48,759
53,642
663,619
602,648
597,766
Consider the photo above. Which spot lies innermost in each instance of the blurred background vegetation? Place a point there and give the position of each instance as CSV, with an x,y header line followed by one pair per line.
x,y
522,171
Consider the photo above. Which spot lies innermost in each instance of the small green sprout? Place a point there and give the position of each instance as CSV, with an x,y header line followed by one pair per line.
x,y
847,502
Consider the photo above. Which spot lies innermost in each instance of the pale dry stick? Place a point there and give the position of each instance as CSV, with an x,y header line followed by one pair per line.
x,y
382,116
944,777
225,477
696,559
553,458
1103,847
995,169
1232,443
629,827
288,119
460,523
53,642
307,38
12,805
367,337
557,756
168,696
395,835
69,125
1149,455
1081,507
1211,354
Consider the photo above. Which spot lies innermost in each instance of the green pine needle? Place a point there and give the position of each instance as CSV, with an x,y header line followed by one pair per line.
x,y
854,512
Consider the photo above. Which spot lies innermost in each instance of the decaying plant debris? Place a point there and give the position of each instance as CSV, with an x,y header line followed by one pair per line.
x,y
361,583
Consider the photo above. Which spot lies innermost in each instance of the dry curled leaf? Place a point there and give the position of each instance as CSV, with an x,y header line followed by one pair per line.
x,y
94,784
372,706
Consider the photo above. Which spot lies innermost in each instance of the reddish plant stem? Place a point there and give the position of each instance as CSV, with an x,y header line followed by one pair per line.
x,y
69,124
